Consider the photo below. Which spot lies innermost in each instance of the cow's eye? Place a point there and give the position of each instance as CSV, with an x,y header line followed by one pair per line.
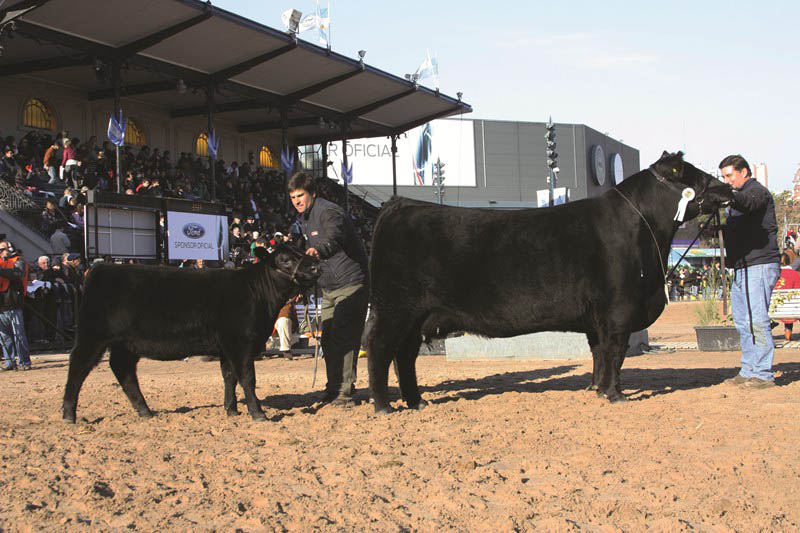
x,y
674,170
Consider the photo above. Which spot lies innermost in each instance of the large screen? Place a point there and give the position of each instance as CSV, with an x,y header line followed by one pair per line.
x,y
196,236
451,141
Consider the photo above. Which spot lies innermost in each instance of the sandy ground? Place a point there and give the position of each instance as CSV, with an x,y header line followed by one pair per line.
x,y
503,446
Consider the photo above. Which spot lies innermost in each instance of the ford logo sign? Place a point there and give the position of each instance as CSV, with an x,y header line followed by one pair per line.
x,y
193,230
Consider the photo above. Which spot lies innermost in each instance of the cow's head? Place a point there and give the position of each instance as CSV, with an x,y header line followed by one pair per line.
x,y
709,192
302,269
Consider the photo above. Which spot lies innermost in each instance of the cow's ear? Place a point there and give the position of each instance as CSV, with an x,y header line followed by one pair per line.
x,y
665,154
679,154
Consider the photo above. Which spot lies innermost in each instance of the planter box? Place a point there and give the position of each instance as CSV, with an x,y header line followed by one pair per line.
x,y
717,338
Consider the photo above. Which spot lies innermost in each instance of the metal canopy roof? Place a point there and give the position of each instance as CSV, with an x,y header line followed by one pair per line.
x,y
263,78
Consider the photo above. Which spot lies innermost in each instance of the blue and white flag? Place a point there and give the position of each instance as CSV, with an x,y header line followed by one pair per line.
x,y
116,130
213,144
287,160
347,173
428,67
324,24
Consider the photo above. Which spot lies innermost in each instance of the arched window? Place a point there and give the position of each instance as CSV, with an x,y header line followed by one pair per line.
x,y
134,134
37,114
201,145
266,159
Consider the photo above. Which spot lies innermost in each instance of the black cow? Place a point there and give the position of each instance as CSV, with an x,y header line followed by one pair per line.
x,y
168,313
595,266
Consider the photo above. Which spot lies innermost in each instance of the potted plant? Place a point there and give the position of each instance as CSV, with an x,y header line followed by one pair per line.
x,y
715,331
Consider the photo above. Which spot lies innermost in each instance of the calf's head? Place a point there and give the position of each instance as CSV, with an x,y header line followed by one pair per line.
x,y
302,269
709,192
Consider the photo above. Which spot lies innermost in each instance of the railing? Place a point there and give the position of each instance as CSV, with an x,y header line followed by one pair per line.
x,y
14,201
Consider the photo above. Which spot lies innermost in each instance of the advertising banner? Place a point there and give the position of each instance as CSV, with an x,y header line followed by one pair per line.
x,y
196,236
451,141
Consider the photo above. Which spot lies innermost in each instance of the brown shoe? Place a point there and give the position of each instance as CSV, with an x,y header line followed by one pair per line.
x,y
755,383
738,379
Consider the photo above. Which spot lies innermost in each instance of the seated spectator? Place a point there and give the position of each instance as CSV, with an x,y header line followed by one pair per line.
x,y
790,279
50,219
63,202
8,166
77,216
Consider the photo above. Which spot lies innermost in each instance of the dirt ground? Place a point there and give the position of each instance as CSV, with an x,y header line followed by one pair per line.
x,y
504,445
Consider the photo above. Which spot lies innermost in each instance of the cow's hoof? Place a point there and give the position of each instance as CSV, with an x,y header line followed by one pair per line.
x,y
418,405
232,412
617,398
383,409
69,419
260,417
591,387
146,414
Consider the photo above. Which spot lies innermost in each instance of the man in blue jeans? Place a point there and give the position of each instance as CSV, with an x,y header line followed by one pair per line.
x,y
13,283
751,244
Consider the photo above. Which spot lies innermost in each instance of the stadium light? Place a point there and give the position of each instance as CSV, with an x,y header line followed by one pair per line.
x,y
552,156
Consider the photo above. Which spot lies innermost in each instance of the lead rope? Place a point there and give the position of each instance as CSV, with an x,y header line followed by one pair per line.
x,y
658,249
314,335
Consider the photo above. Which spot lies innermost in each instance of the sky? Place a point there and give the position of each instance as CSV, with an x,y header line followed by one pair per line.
x,y
708,77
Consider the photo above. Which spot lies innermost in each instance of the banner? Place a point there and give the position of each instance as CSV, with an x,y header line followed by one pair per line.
x,y
196,236
452,141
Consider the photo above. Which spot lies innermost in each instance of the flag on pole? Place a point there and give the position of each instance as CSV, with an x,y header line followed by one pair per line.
x,y
116,129
309,22
287,160
428,67
213,144
347,173
324,24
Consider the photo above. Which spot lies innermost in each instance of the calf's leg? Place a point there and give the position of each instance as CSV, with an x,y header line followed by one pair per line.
x,y
82,359
229,378
240,358
123,363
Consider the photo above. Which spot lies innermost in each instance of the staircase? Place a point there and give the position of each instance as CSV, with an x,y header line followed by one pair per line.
x,y
20,215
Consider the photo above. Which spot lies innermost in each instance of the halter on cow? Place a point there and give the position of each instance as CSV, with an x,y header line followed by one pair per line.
x,y
595,266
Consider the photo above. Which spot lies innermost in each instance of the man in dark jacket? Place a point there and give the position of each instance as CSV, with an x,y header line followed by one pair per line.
x,y
13,282
331,236
751,244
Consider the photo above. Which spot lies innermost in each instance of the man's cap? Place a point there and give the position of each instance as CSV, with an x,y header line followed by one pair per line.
x,y
73,256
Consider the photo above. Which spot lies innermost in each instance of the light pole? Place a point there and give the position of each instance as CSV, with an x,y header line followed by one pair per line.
x,y
550,139
438,180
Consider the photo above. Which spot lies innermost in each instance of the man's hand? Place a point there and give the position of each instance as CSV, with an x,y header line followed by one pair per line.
x,y
313,253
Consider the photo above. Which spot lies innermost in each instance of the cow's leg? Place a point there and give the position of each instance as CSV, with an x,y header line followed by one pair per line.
x,y
407,372
240,358
123,363
82,359
382,343
614,349
229,378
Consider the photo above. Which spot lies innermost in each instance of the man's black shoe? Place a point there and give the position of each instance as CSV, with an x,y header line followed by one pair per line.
x,y
7,368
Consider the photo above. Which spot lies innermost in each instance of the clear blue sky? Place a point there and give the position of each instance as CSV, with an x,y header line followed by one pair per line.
x,y
707,77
